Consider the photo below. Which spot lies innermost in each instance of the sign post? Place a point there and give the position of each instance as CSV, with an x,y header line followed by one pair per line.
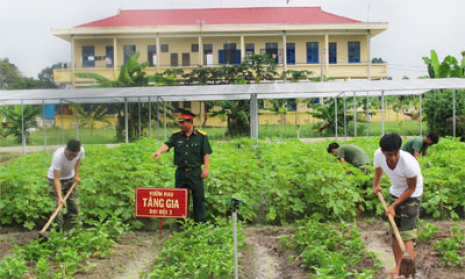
x,y
161,203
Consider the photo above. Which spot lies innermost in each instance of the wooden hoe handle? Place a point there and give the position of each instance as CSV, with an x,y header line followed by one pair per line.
x,y
54,215
393,224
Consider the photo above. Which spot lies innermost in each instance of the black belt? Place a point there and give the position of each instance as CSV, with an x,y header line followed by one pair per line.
x,y
188,169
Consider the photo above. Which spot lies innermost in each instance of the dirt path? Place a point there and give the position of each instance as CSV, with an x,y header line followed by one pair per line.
x,y
9,240
264,259
134,253
379,243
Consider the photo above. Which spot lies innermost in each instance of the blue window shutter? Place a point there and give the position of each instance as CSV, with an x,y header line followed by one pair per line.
x,y
354,52
332,53
312,53
87,53
221,56
238,56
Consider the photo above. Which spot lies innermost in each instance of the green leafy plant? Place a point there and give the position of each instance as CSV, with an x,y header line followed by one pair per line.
x,y
61,256
329,250
199,251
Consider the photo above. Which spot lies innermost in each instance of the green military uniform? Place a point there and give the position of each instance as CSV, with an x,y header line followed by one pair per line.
x,y
415,144
188,157
353,154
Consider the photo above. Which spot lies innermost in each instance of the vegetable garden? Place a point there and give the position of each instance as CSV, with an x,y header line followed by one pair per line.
x,y
286,185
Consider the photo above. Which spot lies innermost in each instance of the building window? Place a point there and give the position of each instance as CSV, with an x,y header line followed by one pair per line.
x,y
128,50
313,101
109,53
152,55
249,49
88,56
187,105
290,53
194,47
354,52
186,60
165,48
174,59
272,50
175,106
312,53
229,54
208,54
332,53
291,104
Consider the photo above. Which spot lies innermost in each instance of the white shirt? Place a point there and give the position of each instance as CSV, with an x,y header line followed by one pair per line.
x,y
407,167
63,165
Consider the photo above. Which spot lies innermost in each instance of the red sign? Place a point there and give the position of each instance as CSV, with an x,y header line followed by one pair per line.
x,y
161,202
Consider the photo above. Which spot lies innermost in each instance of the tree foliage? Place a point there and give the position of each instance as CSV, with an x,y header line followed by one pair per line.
x,y
438,105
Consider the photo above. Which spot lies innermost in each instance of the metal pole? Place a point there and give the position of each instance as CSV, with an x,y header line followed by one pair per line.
x,y
345,122
321,63
164,117
150,118
234,216
158,118
253,116
139,118
335,114
126,124
23,136
421,116
368,116
355,114
382,113
44,124
454,120
62,122
77,125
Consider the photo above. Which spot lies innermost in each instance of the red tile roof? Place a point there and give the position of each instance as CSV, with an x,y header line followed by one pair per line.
x,y
218,16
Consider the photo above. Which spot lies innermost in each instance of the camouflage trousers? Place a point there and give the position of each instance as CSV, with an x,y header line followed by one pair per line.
x,y
407,214
71,218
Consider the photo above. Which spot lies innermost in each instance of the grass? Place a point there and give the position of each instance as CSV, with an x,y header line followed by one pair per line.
x,y
57,136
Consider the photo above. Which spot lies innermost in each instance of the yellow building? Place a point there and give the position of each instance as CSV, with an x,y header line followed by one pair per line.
x,y
298,38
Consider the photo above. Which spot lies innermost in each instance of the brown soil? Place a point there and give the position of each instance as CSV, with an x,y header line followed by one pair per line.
x,y
265,258
134,253
430,261
9,240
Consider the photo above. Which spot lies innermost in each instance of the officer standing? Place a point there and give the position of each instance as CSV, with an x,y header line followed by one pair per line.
x,y
191,151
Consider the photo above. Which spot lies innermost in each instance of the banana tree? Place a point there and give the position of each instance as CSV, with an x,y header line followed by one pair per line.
x,y
449,68
88,118
438,106
14,121
132,74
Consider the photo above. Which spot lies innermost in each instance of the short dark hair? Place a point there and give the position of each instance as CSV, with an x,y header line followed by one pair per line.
x,y
390,142
332,146
73,145
434,137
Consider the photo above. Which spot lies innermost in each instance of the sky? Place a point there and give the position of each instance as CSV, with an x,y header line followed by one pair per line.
x,y
415,26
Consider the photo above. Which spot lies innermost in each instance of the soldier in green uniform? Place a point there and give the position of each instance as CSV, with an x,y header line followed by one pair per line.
x,y
355,156
417,146
191,151
350,153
